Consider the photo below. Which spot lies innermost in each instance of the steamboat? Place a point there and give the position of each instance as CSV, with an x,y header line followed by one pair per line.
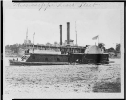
x,y
92,54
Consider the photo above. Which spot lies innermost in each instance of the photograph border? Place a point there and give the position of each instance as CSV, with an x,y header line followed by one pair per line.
x,y
2,45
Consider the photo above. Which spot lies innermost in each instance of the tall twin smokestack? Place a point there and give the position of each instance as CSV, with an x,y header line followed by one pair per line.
x,y
60,34
68,33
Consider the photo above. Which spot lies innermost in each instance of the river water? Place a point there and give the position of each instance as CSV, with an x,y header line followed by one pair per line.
x,y
34,81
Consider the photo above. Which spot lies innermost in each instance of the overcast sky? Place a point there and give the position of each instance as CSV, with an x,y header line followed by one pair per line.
x,y
89,23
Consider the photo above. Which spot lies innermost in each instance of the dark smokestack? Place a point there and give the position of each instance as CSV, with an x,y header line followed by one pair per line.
x,y
68,32
60,34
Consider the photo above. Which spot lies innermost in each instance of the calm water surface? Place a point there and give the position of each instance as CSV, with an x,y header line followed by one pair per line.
x,y
62,78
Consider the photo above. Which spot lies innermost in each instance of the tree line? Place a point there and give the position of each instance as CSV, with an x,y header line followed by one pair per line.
x,y
15,47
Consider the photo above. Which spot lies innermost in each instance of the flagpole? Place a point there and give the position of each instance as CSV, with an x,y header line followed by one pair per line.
x,y
33,42
26,38
76,33
98,39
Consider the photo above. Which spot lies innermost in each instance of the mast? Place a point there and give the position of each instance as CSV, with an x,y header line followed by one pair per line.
x,y
76,33
26,38
33,42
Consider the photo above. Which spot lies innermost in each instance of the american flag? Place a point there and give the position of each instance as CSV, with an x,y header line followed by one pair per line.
x,y
94,38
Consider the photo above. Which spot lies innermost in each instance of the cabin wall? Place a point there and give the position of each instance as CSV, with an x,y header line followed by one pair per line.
x,y
47,58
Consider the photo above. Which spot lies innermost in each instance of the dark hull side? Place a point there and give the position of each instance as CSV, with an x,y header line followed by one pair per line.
x,y
54,59
38,63
90,58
